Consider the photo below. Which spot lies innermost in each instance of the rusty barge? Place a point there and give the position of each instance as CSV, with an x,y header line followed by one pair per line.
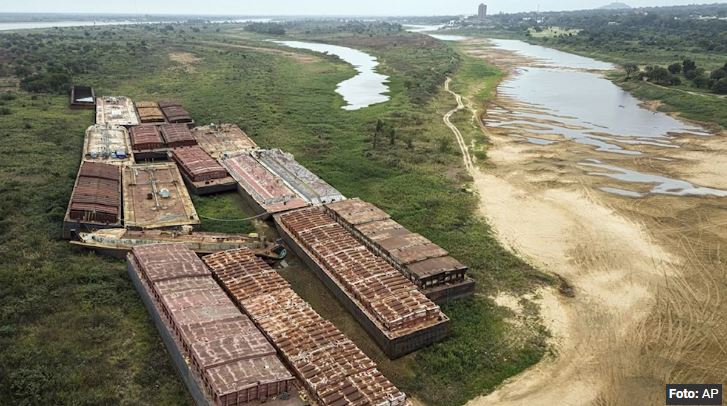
x,y
221,355
332,368
391,309
441,277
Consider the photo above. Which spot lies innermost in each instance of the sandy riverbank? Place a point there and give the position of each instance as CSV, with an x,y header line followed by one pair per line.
x,y
650,274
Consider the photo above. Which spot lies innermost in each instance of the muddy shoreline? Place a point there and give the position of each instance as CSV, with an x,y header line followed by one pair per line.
x,y
649,274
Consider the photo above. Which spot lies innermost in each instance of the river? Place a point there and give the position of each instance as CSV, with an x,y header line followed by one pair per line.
x,y
367,88
626,204
561,97
29,25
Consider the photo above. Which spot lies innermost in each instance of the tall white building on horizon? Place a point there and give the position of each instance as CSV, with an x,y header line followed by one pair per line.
x,y
482,11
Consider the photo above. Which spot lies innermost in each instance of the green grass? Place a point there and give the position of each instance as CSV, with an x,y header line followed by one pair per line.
x,y
73,331
707,108
221,213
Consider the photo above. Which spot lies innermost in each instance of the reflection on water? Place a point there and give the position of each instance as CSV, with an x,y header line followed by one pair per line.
x,y
561,97
551,57
663,185
432,30
590,110
362,90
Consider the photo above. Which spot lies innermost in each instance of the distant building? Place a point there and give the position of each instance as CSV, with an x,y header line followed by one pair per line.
x,y
482,11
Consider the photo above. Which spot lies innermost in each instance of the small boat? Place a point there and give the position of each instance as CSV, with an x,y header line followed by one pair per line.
x,y
117,242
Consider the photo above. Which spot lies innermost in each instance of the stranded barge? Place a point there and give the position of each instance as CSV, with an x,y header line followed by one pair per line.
x,y
391,308
441,277
331,367
220,354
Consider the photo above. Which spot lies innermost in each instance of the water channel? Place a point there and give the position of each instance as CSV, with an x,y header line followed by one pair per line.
x,y
366,88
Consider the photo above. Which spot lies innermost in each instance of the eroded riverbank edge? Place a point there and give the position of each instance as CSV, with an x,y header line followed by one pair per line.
x,y
627,262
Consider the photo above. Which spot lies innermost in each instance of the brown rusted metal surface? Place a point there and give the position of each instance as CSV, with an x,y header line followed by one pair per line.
x,y
222,139
396,305
232,358
155,197
146,137
107,144
197,164
426,263
330,365
96,197
175,113
149,112
262,186
177,135
116,110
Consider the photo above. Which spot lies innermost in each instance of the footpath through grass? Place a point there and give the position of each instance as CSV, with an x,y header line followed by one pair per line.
x,y
72,329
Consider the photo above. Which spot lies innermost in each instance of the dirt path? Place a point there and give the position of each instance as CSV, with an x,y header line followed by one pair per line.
x,y
466,157
649,274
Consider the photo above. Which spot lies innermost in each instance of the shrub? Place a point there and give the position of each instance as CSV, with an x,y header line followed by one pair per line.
x,y
50,82
720,86
675,68
4,111
8,96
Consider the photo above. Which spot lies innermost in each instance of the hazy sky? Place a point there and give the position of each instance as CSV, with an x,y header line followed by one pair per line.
x,y
312,7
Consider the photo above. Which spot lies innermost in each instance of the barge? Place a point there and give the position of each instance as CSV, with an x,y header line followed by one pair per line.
x,y
399,317
155,198
221,356
307,184
108,144
332,368
116,110
118,242
83,97
150,113
96,200
175,113
202,174
266,192
441,277
220,140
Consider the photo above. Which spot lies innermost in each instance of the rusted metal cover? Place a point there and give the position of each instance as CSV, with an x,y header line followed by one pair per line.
x,y
223,139
146,137
307,184
197,164
409,252
225,349
265,188
155,197
161,262
149,112
175,113
332,368
116,110
397,306
96,196
177,135
107,144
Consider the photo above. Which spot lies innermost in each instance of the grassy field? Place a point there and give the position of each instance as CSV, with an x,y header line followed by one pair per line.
x,y
72,329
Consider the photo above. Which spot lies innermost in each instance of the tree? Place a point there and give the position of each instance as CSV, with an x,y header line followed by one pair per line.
x,y
688,65
631,69
720,86
392,136
702,82
718,74
675,68
694,73
378,131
